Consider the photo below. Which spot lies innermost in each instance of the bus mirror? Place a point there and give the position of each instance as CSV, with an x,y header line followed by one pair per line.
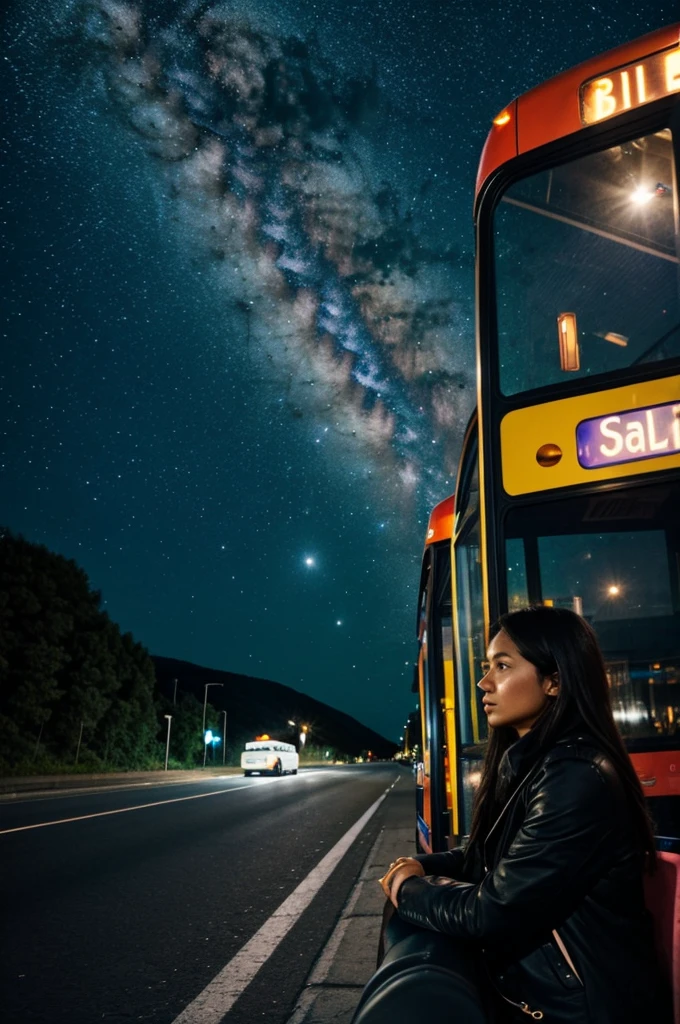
x,y
568,341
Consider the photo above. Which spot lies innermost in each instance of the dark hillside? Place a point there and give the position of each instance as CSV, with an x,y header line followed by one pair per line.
x,y
256,706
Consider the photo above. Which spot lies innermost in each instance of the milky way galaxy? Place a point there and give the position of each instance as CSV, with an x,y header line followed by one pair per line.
x,y
262,154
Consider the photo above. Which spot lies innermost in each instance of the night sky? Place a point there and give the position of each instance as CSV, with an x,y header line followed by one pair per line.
x,y
237,307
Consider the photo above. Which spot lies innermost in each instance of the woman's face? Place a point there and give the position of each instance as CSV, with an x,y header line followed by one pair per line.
x,y
514,692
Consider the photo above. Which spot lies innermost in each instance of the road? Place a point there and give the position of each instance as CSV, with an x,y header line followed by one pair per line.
x,y
128,913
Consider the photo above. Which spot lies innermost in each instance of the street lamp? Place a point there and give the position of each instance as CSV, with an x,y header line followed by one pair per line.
x,y
205,704
224,739
167,742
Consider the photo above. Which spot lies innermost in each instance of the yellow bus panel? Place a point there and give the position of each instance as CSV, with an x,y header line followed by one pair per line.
x,y
603,435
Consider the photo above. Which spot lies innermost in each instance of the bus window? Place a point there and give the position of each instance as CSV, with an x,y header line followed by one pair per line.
x,y
622,582
595,238
615,559
470,654
434,776
518,593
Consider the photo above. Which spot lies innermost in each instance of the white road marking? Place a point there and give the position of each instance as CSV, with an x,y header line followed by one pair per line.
x,y
123,810
217,998
322,967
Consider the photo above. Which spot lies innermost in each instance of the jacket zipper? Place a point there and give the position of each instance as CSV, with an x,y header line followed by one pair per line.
x,y
566,956
524,1007
513,796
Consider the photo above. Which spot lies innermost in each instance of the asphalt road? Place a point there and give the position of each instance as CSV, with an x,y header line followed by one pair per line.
x,y
129,916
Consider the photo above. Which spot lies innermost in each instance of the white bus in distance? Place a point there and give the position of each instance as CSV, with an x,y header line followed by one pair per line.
x,y
269,757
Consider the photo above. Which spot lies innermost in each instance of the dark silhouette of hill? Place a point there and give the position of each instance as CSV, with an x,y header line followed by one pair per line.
x,y
255,706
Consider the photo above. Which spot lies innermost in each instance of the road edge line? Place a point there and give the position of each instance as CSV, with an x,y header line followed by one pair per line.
x,y
219,995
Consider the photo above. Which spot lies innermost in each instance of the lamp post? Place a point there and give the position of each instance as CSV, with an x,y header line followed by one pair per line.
x,y
205,704
167,742
224,740
80,737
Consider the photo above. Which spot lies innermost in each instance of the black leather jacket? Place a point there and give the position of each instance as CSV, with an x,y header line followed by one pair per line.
x,y
558,905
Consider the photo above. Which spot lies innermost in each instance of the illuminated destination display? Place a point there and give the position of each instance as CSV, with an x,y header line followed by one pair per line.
x,y
629,436
629,87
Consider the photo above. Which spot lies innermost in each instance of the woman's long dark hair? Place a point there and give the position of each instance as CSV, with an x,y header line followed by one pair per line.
x,y
557,640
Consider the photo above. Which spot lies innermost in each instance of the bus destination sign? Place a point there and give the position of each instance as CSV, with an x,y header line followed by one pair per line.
x,y
629,436
631,86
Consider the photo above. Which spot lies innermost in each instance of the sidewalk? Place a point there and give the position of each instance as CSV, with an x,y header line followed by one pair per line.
x,y
335,984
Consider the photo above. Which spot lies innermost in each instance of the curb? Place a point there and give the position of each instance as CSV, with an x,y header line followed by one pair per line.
x,y
348,960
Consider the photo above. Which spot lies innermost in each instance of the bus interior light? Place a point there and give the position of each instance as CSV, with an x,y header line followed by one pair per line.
x,y
567,333
642,195
616,339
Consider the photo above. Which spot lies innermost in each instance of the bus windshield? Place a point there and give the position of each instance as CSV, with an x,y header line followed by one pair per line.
x,y
586,266
613,558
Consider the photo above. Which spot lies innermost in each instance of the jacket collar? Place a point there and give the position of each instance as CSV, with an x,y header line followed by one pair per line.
x,y
520,758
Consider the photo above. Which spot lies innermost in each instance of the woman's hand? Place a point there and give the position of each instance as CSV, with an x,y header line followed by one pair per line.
x,y
399,870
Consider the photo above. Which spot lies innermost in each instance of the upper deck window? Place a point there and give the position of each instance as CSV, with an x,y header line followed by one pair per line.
x,y
587,266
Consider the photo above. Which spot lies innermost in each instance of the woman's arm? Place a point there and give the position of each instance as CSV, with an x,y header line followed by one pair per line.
x,y
556,856
449,864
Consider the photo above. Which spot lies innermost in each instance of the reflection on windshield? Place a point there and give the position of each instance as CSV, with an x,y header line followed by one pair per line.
x,y
594,238
614,560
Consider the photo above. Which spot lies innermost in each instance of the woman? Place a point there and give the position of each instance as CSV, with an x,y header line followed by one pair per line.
x,y
549,884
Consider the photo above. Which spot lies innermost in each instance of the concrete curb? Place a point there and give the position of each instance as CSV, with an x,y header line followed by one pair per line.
x,y
348,960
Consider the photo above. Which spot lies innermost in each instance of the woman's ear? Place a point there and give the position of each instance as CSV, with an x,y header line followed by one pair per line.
x,y
551,685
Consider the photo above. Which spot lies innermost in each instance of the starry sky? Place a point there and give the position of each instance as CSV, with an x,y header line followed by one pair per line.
x,y
237,307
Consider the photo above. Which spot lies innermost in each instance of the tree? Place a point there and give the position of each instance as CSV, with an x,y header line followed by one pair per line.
x,y
65,668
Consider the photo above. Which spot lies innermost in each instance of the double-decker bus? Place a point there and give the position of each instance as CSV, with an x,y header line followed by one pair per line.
x,y
568,490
